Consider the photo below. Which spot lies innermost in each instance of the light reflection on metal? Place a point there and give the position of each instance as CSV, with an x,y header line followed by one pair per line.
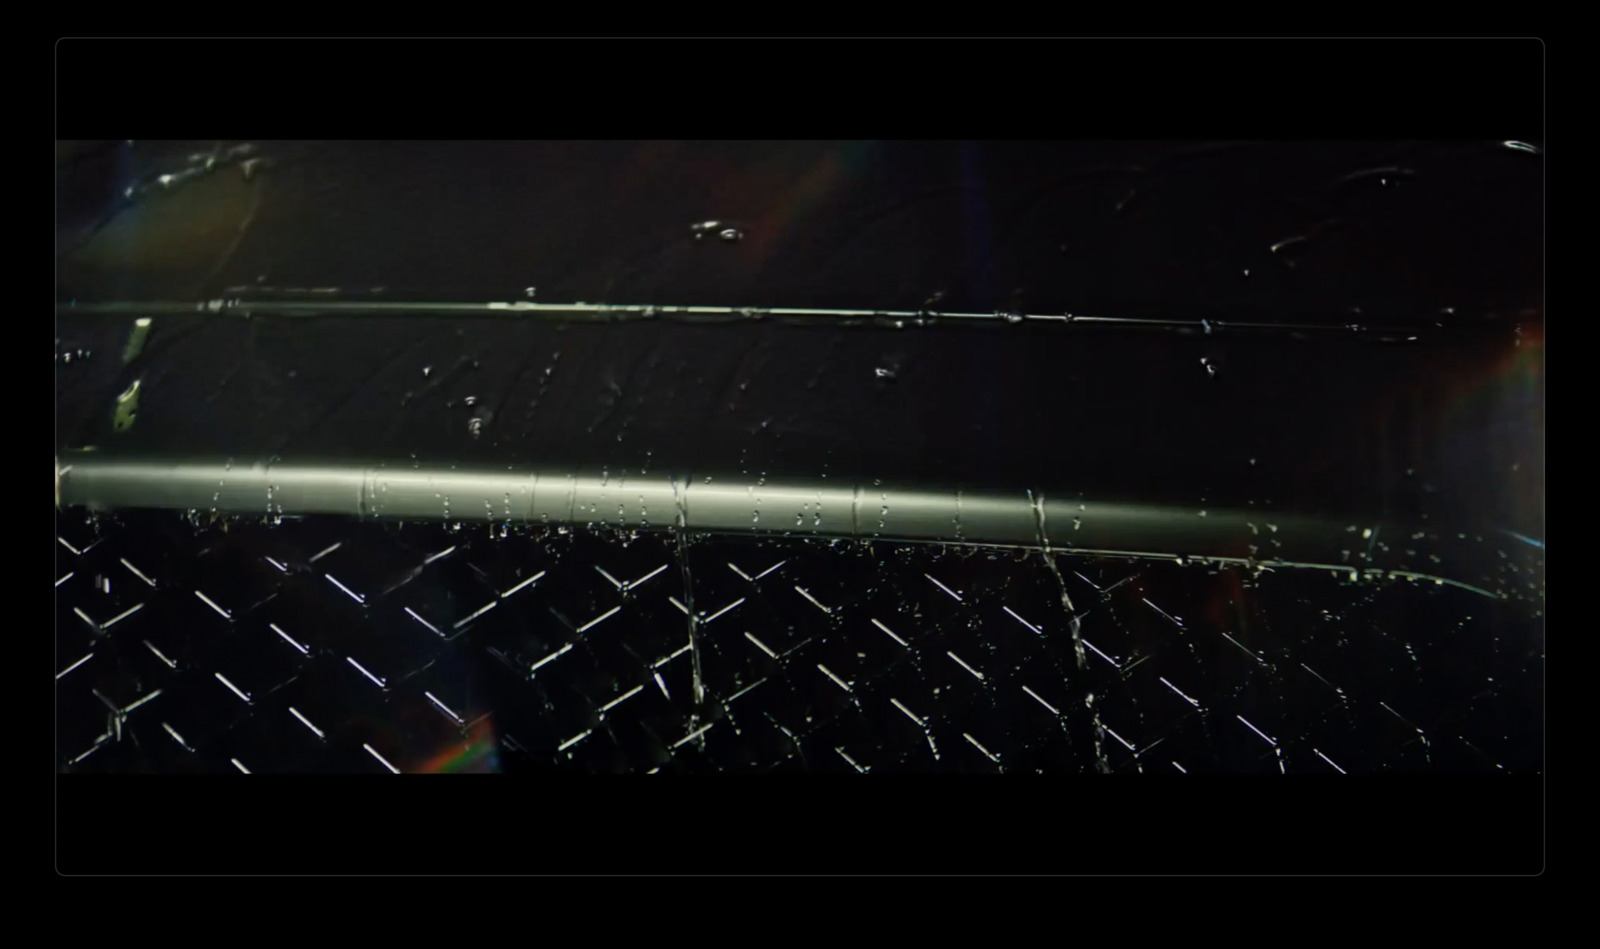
x,y
992,518
329,302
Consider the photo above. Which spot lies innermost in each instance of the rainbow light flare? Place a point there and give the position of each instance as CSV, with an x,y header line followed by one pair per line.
x,y
475,753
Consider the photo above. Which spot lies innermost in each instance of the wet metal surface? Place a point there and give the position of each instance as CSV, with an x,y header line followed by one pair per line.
x,y
1350,333
330,645
1437,241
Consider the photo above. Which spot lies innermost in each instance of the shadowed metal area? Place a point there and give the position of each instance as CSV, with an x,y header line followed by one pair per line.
x,y
1179,323
794,508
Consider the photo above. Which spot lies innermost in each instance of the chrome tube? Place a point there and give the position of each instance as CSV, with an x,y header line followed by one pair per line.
x,y
793,507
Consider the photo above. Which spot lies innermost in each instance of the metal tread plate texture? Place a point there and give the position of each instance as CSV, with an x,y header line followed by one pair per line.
x,y
333,645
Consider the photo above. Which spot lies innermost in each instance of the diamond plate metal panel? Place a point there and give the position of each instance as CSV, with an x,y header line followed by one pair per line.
x,y
334,646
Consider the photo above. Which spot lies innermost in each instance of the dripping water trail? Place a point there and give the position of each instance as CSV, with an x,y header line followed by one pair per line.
x,y
688,601
1101,763
1073,621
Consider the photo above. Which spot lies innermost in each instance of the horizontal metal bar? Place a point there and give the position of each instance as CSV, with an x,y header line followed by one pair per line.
x,y
793,507
329,303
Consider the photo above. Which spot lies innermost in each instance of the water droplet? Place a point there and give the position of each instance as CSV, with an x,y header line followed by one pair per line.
x,y
883,373
427,371
731,234
1523,147
1247,272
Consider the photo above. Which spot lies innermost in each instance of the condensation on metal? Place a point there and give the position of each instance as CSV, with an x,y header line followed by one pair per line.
x,y
725,504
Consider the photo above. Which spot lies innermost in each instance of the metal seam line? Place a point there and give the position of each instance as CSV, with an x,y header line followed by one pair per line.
x,y
243,306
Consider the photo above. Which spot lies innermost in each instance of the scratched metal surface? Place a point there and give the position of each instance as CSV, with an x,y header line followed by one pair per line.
x,y
334,646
